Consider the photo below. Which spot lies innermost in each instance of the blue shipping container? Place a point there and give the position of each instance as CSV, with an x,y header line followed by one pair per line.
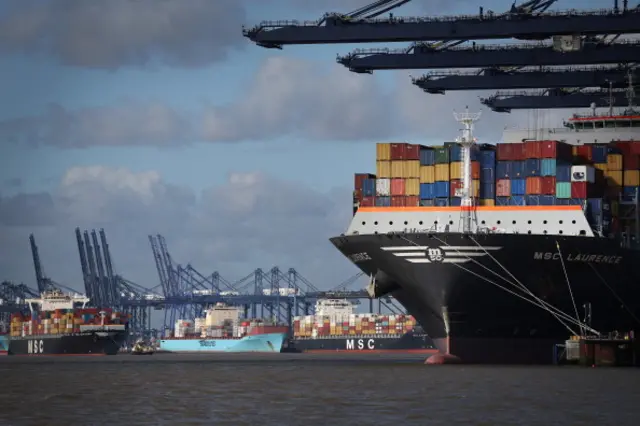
x,y
369,188
488,175
427,191
562,201
599,153
577,202
456,201
427,156
426,203
455,153
563,172
441,202
487,190
383,201
518,187
441,189
630,191
502,201
487,159
517,200
541,200
548,167
503,169
532,167
517,169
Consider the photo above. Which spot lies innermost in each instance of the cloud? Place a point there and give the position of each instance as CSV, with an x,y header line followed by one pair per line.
x,y
252,220
114,33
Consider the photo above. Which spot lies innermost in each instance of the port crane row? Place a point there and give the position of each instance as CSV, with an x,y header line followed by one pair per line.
x,y
577,38
183,292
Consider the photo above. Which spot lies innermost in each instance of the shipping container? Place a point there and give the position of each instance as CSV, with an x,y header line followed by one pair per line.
x,y
441,189
614,177
412,169
533,149
631,178
398,151
442,172
548,167
548,185
441,202
516,200
504,151
563,172
475,170
383,187
412,187
360,178
490,202
510,169
519,153
487,159
532,167
599,153
398,201
455,170
383,151
455,152
533,185
427,156
427,191
631,162
600,166
614,162
455,201
630,192
368,202
584,152
383,201
557,150
488,175
383,169
412,201
427,174
583,174
397,187
455,188
518,187
503,188
412,152
580,189
398,169
427,203
487,190
442,155
369,188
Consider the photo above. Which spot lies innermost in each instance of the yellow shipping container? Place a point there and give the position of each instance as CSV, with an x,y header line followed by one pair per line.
x,y
383,151
574,151
427,174
442,172
383,169
614,162
412,186
600,166
488,202
397,169
455,170
631,178
614,177
412,169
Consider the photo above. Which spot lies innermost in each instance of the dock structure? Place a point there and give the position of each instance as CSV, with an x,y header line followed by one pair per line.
x,y
572,39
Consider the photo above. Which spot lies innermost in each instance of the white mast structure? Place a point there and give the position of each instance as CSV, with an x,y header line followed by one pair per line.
x,y
467,141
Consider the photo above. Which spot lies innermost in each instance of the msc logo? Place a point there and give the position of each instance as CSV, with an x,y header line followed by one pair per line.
x,y
435,255
35,347
578,176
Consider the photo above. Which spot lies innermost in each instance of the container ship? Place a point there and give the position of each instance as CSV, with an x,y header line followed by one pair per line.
x,y
222,330
336,327
4,344
503,251
56,327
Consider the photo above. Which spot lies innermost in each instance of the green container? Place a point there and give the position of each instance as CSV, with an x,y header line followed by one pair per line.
x,y
442,155
563,190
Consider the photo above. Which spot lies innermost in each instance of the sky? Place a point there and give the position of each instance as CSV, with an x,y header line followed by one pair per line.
x,y
158,117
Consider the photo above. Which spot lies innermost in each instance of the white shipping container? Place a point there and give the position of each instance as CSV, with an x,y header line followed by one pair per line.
x,y
383,187
583,174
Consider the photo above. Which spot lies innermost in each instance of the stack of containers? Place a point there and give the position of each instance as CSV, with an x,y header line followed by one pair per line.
x,y
456,171
631,176
383,174
441,186
364,190
427,176
487,159
548,170
312,326
510,174
405,175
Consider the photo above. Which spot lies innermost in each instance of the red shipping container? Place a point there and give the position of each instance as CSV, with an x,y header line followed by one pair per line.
x,y
475,170
412,152
398,201
399,151
628,147
412,201
534,185
453,186
519,152
631,161
357,194
503,188
504,151
549,185
397,186
368,202
555,149
579,189
360,177
533,149
585,152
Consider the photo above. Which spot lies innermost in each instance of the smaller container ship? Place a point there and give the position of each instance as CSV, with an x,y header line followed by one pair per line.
x,y
55,327
222,330
4,344
336,327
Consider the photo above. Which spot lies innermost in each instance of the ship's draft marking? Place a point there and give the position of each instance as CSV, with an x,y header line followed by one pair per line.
x,y
441,254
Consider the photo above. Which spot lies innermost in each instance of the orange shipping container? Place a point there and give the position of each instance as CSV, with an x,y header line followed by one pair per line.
x,y
427,174
397,169
442,172
475,170
412,169
397,186
614,177
614,162
534,185
631,178
383,151
412,186
600,166
383,169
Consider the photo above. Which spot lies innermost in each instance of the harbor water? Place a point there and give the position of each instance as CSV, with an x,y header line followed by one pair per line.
x,y
303,389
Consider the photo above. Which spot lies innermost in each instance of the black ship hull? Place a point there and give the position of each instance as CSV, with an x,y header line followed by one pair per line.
x,y
90,343
407,343
475,303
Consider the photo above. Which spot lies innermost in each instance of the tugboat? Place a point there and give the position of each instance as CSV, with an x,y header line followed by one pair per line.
x,y
141,348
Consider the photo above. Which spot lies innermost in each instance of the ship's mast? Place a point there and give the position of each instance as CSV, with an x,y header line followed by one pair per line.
x,y
467,141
